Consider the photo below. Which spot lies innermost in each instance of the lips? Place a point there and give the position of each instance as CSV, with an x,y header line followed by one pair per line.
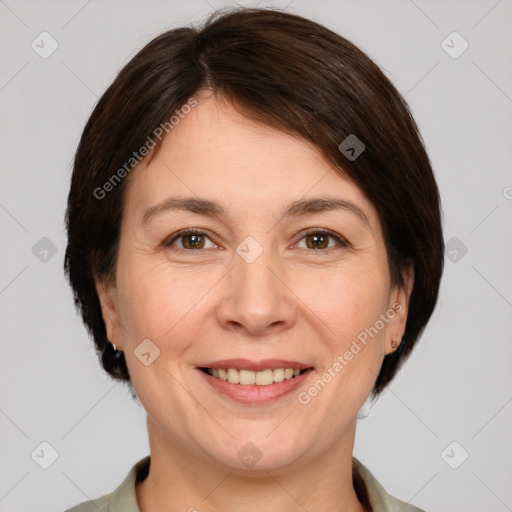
x,y
246,364
255,381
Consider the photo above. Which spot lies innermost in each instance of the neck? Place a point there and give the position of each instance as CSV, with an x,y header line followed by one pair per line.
x,y
178,481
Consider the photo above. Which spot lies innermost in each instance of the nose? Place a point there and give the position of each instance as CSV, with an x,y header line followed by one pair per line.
x,y
256,299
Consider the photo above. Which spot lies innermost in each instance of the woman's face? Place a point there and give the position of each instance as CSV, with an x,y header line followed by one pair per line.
x,y
258,286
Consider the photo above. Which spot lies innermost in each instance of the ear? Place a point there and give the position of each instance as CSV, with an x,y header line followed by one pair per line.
x,y
398,310
110,311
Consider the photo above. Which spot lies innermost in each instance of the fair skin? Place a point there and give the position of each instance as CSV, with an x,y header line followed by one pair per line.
x,y
305,298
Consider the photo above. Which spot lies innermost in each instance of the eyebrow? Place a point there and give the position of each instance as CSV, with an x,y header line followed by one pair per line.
x,y
213,208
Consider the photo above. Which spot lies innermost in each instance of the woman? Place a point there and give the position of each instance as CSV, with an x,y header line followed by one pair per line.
x,y
255,244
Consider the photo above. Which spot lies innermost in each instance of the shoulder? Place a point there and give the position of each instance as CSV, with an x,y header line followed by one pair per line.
x,y
98,505
123,498
379,499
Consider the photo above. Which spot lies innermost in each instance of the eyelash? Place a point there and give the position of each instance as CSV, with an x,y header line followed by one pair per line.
x,y
191,231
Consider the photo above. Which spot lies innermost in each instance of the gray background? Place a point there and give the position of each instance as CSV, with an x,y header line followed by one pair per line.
x,y
457,384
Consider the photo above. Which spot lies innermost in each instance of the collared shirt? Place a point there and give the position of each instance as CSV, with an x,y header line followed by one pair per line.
x,y
124,498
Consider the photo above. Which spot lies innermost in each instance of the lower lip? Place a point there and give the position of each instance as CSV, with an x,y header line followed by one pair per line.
x,y
255,394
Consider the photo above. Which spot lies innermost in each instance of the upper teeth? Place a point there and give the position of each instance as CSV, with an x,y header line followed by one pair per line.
x,y
248,377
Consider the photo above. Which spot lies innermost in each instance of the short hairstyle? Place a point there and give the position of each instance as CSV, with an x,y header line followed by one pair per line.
x,y
286,72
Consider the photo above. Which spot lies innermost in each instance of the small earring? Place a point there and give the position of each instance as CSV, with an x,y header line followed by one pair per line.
x,y
114,345
395,344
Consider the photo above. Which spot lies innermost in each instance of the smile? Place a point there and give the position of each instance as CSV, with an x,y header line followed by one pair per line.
x,y
254,382
251,378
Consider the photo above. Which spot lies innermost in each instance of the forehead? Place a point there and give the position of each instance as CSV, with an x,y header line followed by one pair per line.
x,y
214,152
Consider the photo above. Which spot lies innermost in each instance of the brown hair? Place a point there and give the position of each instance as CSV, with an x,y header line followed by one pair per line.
x,y
287,72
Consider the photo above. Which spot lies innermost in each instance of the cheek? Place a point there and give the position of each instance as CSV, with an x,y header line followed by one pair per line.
x,y
159,303
347,300
347,307
163,307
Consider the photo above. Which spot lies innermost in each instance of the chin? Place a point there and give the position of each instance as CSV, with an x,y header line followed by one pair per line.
x,y
263,452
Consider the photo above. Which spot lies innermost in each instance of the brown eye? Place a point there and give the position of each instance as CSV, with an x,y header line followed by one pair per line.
x,y
316,239
190,240
193,241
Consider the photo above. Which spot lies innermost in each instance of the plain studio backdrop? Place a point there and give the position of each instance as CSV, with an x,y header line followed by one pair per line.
x,y
439,436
